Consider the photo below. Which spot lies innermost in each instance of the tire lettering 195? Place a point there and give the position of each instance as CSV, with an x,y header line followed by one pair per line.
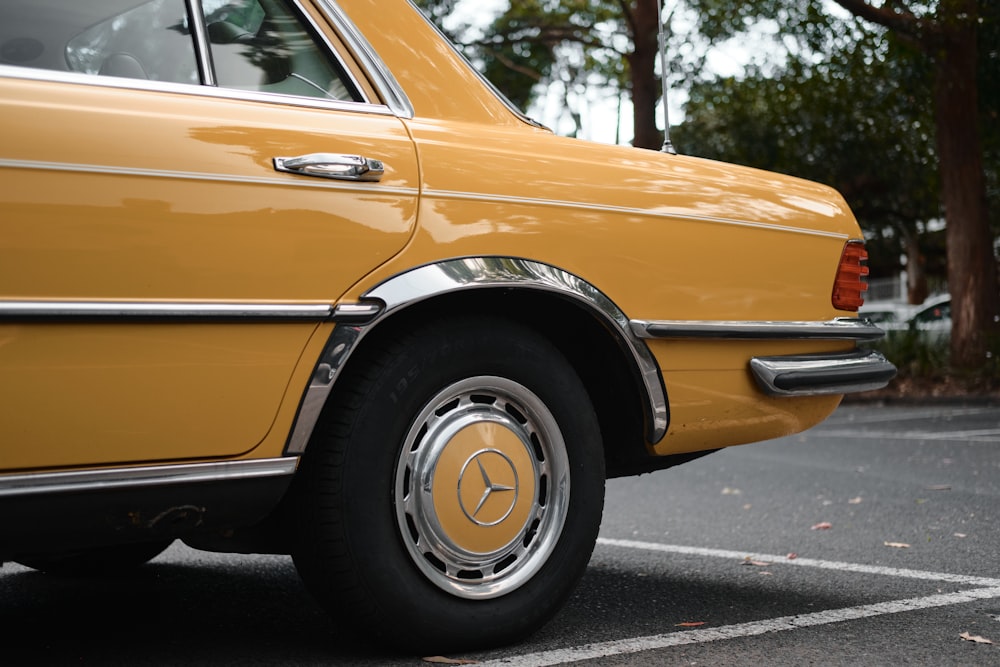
x,y
402,385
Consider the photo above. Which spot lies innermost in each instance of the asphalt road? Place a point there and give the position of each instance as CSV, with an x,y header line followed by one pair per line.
x,y
869,540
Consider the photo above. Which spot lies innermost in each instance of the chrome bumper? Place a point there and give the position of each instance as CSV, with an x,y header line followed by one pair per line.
x,y
792,375
815,374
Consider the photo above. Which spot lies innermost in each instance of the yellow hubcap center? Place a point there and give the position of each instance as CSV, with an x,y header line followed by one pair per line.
x,y
484,487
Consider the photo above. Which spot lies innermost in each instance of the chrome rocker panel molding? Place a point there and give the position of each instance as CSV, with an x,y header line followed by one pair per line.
x,y
78,481
431,280
82,509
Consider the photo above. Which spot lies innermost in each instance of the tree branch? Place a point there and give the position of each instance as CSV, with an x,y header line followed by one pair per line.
x,y
628,14
897,17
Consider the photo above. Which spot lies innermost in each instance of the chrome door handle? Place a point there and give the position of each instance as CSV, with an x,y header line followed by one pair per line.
x,y
332,165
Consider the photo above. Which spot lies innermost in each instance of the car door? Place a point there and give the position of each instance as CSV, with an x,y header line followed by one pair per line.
x,y
183,197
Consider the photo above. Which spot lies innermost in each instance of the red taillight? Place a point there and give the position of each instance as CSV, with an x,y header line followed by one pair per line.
x,y
852,277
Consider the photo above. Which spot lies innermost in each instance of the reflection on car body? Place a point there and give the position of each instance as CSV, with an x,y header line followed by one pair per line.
x,y
307,285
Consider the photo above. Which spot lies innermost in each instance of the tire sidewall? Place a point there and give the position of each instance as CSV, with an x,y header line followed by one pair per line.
x,y
434,358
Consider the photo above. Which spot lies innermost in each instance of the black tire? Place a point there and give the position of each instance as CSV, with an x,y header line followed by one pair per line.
x,y
96,560
452,495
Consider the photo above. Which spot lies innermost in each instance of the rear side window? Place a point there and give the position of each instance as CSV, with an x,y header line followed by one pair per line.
x,y
142,39
257,45
262,45
150,41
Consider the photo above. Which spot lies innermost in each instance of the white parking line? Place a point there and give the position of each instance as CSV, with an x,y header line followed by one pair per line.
x,y
802,562
904,414
977,435
988,589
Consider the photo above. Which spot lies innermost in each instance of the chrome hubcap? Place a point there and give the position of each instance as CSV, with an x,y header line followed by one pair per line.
x,y
482,487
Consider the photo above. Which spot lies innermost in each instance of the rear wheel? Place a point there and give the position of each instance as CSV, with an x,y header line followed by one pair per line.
x,y
453,495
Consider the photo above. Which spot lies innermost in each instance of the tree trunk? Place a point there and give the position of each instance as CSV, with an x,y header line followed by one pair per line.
x,y
972,268
916,274
642,74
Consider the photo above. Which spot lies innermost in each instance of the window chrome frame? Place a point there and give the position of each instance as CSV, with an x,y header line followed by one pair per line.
x,y
199,33
206,66
368,60
192,89
378,72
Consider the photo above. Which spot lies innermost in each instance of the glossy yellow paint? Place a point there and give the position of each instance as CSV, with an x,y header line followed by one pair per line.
x,y
665,237
104,210
172,196
484,488
107,393
642,226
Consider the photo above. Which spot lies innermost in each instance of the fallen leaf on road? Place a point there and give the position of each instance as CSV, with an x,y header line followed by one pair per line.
x,y
823,525
897,545
855,501
441,660
689,624
751,561
939,487
731,492
975,638
792,556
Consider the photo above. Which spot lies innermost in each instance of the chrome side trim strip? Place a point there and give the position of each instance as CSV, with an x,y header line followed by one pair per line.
x,y
143,476
364,189
841,328
58,76
449,276
31,310
669,215
816,374
381,78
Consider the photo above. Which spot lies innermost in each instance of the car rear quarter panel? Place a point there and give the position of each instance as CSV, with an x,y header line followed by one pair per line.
x,y
665,237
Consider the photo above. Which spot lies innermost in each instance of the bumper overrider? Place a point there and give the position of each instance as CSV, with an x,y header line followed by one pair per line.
x,y
793,375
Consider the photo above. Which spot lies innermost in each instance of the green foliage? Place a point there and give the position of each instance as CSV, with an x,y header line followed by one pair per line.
x,y
914,354
918,357
842,120
850,106
576,49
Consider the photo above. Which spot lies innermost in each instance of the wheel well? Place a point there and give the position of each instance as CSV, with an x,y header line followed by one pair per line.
x,y
602,363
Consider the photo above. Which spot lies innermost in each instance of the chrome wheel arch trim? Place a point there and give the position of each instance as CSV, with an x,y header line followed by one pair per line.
x,y
75,481
354,321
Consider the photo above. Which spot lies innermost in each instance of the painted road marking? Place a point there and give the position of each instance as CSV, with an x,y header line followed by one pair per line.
x,y
977,435
987,589
928,413
802,562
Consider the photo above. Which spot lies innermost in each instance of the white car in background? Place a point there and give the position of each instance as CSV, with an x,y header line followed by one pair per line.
x,y
932,318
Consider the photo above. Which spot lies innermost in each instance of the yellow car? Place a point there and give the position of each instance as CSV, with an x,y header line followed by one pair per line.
x,y
288,276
